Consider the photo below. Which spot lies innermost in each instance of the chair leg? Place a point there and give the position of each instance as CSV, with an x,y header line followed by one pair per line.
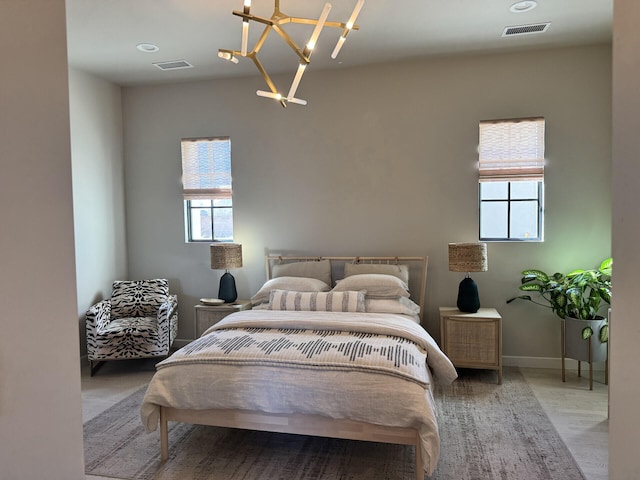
x,y
94,365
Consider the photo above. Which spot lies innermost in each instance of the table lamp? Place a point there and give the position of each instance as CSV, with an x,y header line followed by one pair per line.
x,y
468,257
225,256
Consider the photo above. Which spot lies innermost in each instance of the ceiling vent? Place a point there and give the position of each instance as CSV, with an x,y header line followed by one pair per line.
x,y
525,29
173,65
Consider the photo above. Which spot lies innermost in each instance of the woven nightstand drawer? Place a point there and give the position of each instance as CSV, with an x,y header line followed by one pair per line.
x,y
472,340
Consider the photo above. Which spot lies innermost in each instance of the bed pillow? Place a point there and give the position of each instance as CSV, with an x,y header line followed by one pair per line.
x,y
400,271
300,284
376,285
138,298
348,301
401,305
320,269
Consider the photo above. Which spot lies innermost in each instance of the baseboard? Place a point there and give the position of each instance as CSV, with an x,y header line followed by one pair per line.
x,y
547,362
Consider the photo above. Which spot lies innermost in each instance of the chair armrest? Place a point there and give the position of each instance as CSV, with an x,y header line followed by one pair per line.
x,y
168,308
99,315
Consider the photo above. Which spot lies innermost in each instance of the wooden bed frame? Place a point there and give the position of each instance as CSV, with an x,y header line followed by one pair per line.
x,y
303,424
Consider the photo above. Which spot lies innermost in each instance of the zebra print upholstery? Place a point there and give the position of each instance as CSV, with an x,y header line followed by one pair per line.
x,y
140,320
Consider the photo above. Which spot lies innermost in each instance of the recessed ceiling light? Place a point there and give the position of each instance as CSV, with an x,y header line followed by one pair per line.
x,y
147,47
524,6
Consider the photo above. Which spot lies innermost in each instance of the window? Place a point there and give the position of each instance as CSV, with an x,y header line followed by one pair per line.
x,y
511,164
206,181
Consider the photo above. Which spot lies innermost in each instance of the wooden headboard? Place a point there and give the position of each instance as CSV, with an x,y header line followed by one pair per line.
x,y
417,270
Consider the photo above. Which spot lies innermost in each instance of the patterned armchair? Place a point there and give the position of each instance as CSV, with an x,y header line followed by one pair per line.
x,y
140,320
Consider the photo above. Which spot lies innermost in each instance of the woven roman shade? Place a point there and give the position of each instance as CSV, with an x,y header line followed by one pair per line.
x,y
511,150
206,168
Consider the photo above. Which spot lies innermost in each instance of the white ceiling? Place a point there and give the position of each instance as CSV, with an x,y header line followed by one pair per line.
x,y
103,34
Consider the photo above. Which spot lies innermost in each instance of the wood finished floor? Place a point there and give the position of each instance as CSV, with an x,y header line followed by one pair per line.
x,y
579,415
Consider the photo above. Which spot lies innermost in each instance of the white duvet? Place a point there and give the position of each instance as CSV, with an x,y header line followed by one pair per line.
x,y
358,395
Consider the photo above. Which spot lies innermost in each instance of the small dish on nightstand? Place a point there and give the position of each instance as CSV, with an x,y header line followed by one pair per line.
x,y
211,301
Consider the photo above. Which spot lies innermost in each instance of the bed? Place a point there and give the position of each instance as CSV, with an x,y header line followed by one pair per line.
x,y
343,358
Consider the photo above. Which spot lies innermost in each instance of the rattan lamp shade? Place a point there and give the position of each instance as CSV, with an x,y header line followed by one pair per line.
x,y
225,256
468,257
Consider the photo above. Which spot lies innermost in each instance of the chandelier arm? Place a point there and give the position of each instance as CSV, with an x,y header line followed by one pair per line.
x,y
255,18
282,20
266,76
285,36
262,39
311,21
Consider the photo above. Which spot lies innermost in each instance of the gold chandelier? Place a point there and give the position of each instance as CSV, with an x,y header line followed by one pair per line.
x,y
276,23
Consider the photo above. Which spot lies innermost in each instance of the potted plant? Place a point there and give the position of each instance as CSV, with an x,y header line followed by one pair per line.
x,y
578,298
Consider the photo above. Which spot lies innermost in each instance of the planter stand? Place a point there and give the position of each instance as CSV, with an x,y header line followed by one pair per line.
x,y
590,350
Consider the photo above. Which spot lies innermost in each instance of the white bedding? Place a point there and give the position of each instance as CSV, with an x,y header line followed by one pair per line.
x,y
185,382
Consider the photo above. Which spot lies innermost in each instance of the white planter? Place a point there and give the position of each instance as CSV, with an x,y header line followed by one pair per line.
x,y
577,348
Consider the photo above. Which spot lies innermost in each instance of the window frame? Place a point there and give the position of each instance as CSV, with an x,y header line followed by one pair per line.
x,y
509,201
189,209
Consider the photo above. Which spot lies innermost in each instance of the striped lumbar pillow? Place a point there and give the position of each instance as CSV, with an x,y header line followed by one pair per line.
x,y
347,301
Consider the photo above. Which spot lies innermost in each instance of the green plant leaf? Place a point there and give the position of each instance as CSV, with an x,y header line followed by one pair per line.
x,y
606,266
531,287
533,274
605,293
604,334
574,273
586,333
574,295
521,297
558,299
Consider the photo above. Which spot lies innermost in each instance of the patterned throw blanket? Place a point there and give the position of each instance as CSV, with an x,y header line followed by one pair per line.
x,y
306,348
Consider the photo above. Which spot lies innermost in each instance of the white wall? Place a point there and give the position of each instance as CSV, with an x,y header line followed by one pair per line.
x,y
40,410
382,161
624,388
98,189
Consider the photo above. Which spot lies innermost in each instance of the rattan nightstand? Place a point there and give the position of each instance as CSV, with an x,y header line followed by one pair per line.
x,y
472,340
208,315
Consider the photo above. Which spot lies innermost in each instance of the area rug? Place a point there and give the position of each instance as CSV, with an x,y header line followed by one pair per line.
x,y
487,431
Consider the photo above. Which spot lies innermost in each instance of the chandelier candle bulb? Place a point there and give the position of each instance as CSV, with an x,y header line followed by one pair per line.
x,y
354,14
349,26
338,46
245,28
245,37
299,101
316,31
262,93
296,81
228,56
